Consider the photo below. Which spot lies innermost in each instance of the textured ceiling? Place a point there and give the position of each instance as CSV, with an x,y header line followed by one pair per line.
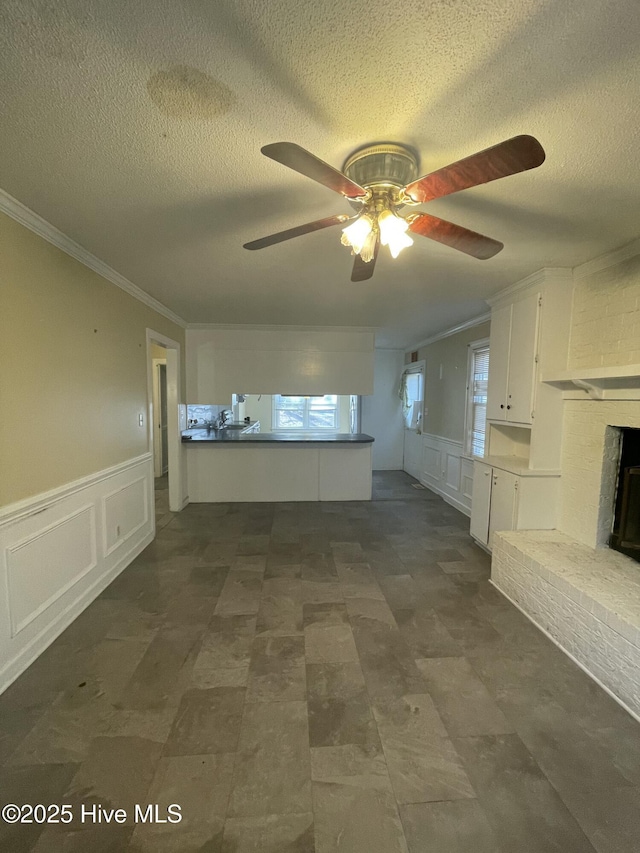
x,y
136,128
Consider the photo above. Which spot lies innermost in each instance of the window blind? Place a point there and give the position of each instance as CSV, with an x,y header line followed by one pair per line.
x,y
479,384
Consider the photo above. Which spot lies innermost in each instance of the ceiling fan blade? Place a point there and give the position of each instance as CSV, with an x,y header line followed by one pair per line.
x,y
507,158
302,161
308,228
455,236
361,270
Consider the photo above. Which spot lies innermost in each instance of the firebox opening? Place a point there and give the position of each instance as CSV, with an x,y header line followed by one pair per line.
x,y
625,536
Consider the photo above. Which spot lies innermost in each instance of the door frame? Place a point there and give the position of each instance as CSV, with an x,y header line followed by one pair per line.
x,y
176,417
157,425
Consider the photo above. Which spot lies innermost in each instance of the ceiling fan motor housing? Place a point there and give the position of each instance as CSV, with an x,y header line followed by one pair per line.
x,y
387,164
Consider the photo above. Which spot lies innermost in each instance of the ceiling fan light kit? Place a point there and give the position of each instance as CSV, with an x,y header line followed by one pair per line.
x,y
380,180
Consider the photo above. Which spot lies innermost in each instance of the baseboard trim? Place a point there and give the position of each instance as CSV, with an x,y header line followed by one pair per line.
x,y
567,653
456,504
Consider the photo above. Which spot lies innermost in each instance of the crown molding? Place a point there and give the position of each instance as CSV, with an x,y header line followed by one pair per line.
x,y
25,216
610,259
536,279
248,327
447,333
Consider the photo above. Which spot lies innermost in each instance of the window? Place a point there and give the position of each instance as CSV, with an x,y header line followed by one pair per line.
x,y
312,413
476,416
411,394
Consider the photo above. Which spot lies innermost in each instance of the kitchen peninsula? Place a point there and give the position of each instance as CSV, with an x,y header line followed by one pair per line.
x,y
228,465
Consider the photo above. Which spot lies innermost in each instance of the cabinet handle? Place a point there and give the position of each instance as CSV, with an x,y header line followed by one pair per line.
x,y
502,405
508,407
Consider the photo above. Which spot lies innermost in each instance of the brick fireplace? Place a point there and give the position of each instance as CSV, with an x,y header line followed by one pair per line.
x,y
625,533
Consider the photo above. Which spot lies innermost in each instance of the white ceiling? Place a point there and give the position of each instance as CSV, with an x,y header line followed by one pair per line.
x,y
135,128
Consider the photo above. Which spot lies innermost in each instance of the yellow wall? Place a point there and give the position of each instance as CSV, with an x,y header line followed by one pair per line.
x,y
445,399
73,372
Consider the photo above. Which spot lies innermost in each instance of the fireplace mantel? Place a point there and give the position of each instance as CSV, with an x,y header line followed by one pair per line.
x,y
621,382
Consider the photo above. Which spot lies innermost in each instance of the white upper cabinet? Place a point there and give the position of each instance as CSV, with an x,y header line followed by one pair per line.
x,y
222,362
512,366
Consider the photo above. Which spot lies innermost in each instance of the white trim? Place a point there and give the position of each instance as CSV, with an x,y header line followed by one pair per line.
x,y
460,327
34,505
415,367
536,279
610,259
260,327
175,451
31,220
441,438
567,653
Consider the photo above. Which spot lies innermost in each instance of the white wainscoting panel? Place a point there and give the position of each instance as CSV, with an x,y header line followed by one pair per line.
x,y
59,550
124,512
446,472
432,463
42,567
466,473
452,471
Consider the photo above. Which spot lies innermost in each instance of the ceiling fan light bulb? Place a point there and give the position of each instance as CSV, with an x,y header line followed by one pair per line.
x,y
398,243
391,227
355,235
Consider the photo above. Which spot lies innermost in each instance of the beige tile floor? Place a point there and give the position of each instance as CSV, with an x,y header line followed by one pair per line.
x,y
317,678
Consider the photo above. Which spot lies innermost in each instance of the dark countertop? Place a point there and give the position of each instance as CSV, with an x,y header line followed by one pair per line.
x,y
232,436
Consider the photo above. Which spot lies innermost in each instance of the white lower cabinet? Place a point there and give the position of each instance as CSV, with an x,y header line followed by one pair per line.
x,y
481,502
504,502
508,500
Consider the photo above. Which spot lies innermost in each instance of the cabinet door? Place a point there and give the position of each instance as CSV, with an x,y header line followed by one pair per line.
x,y
499,342
480,502
504,494
522,364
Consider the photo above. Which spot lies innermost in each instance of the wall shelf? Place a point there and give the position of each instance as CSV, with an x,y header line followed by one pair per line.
x,y
598,383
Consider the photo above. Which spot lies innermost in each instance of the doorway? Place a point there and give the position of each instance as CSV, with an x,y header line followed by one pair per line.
x,y
160,445
166,418
412,401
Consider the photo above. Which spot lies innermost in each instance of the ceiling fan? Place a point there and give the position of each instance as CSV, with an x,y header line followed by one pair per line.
x,y
379,180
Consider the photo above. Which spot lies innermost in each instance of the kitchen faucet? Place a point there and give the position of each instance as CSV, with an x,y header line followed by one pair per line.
x,y
222,417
